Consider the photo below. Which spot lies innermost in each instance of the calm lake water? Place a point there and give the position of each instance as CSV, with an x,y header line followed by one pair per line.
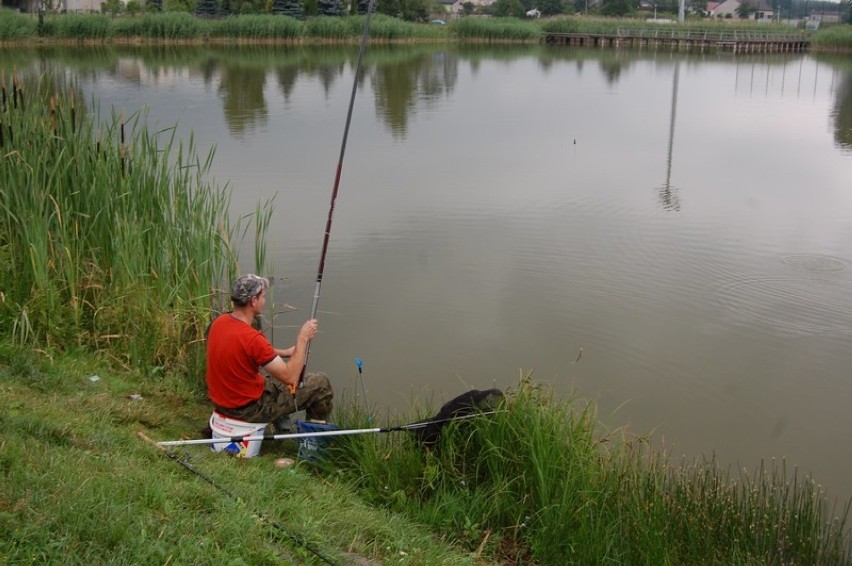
x,y
686,221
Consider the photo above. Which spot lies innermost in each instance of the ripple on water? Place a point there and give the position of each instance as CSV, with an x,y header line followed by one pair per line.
x,y
800,304
814,263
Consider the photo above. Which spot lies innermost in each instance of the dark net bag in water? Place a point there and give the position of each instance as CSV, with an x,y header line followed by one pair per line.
x,y
467,404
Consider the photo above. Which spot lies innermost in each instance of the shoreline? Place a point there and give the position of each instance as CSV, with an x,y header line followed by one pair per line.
x,y
139,41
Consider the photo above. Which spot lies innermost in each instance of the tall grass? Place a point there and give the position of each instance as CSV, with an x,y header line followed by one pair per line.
x,y
496,29
111,236
258,27
834,37
16,27
79,26
328,27
388,28
175,25
538,483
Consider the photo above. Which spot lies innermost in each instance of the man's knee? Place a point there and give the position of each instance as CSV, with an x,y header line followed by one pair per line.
x,y
317,396
320,383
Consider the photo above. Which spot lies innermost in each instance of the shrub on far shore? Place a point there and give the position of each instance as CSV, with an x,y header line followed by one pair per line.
x,y
16,27
258,27
834,37
496,29
172,25
78,26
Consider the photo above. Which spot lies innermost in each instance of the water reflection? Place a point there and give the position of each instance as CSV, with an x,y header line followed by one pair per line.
x,y
243,100
842,112
403,84
404,80
668,195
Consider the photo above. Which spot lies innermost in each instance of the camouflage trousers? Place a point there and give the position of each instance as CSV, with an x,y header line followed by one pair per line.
x,y
276,402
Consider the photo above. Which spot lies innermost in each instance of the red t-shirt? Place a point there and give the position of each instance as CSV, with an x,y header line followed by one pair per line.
x,y
235,351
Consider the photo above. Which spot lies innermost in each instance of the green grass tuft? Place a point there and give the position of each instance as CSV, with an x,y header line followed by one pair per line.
x,y
537,483
495,29
328,27
171,26
834,37
16,27
80,487
79,27
258,27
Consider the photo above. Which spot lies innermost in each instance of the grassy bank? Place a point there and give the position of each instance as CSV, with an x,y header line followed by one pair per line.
x,y
80,487
536,484
183,27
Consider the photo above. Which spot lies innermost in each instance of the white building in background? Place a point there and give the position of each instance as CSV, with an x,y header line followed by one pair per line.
x,y
711,9
82,5
455,6
761,10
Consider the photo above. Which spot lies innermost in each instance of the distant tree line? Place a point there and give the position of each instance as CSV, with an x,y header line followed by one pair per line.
x,y
409,10
419,10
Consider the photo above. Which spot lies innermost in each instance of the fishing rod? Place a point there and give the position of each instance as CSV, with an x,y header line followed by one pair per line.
x,y
335,189
326,433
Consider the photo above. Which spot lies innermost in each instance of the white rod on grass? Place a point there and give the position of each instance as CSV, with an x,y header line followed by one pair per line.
x,y
289,436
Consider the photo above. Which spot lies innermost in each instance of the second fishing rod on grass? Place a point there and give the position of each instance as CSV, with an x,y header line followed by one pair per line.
x,y
459,410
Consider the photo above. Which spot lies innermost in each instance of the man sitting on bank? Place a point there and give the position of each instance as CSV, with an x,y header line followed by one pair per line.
x,y
236,351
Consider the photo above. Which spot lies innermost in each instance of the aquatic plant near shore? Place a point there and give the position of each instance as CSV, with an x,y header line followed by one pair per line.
x,y
111,237
834,37
496,29
540,482
15,26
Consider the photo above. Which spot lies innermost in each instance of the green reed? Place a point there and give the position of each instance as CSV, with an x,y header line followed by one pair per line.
x,y
328,27
15,26
258,27
495,29
171,26
111,237
541,482
78,26
834,37
388,28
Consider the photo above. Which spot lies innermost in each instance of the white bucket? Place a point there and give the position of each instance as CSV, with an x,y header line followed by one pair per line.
x,y
226,427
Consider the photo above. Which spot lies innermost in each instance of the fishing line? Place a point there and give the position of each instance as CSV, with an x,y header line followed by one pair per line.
x,y
327,234
266,521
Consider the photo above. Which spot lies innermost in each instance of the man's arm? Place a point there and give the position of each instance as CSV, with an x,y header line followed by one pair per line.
x,y
288,372
285,352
